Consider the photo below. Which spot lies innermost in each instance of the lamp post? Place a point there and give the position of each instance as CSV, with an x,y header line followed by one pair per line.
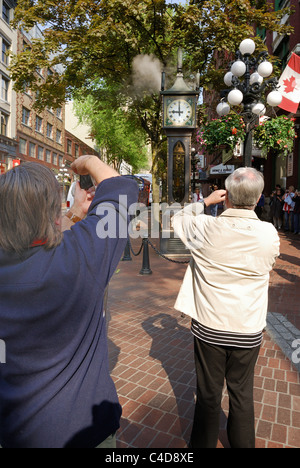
x,y
248,87
64,173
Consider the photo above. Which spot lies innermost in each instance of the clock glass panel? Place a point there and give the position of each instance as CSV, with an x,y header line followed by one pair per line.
x,y
179,112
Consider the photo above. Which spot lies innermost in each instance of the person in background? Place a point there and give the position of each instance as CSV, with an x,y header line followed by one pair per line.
x,y
214,208
296,200
197,196
288,209
276,204
55,387
260,205
225,292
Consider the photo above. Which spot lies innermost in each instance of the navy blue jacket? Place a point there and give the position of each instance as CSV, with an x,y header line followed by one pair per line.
x,y
55,387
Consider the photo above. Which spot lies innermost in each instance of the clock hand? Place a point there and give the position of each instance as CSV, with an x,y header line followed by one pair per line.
x,y
179,111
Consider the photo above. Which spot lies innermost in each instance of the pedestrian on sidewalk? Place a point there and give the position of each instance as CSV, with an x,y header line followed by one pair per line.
x,y
276,205
288,209
197,196
225,292
55,387
296,200
214,207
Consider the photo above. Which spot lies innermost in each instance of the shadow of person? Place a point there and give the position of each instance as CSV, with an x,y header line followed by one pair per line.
x,y
89,437
172,345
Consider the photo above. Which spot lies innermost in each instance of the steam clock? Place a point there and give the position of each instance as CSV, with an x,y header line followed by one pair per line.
x,y
179,105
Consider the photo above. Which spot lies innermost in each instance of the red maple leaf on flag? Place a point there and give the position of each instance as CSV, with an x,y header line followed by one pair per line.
x,y
290,84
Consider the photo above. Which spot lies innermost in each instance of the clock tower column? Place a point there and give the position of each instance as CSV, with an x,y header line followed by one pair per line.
x,y
179,104
179,120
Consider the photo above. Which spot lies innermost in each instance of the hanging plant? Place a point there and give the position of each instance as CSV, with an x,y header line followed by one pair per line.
x,y
276,134
224,132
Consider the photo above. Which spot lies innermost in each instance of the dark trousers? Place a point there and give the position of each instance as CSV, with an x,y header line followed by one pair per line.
x,y
213,365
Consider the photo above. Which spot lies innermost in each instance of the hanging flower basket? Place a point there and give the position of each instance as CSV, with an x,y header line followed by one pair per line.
x,y
276,134
222,134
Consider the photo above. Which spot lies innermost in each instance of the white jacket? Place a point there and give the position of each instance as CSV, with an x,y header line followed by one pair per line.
x,y
226,284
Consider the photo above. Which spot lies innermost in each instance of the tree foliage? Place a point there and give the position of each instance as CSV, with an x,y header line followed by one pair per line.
x,y
114,132
100,38
92,39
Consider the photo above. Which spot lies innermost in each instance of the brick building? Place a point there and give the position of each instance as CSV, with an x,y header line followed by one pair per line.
x,y
8,42
42,136
277,170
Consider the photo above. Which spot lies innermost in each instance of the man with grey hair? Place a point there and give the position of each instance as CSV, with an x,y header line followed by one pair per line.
x,y
225,292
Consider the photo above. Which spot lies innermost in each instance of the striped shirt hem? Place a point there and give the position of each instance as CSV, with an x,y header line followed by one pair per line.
x,y
223,338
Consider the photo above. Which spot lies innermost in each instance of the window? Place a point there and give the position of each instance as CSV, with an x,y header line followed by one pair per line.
x,y
5,12
49,130
26,90
41,153
32,150
5,51
279,4
22,145
76,151
58,136
59,112
4,89
54,158
69,146
48,156
38,124
4,121
25,116
60,160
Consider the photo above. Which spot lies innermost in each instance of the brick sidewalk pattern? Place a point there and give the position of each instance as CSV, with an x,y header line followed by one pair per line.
x,y
151,357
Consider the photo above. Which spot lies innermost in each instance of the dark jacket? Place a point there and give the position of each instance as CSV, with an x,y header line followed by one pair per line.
x,y
55,387
296,199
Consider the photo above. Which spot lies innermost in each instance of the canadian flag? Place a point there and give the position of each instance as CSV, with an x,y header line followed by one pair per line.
x,y
289,85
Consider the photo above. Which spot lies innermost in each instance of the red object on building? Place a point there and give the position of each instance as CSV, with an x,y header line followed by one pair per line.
x,y
16,162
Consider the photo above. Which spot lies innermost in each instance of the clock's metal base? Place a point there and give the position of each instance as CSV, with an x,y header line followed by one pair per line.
x,y
171,245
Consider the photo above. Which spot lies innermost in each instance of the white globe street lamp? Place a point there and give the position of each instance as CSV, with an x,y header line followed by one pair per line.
x,y
235,97
265,69
228,78
256,78
249,91
274,98
223,108
238,68
259,109
247,46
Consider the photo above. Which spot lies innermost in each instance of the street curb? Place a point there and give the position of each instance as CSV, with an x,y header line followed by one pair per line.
x,y
284,333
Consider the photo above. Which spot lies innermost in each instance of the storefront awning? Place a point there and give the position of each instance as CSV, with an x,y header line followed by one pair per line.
x,y
221,169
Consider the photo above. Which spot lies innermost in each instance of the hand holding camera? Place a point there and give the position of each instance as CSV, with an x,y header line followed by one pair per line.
x,y
93,166
218,196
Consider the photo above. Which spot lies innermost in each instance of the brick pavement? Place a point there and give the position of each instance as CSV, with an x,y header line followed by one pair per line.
x,y
151,357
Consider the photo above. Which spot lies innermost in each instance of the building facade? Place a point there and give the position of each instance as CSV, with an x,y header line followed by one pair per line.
x,y
40,135
278,170
8,43
78,139
74,147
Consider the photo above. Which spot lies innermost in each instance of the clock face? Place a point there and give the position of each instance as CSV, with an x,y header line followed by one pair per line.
x,y
179,112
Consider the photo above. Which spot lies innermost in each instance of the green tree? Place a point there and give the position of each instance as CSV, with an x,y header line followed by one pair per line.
x,y
92,39
114,133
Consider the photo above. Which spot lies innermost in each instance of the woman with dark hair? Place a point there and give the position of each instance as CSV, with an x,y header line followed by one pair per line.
x,y
30,208
55,387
